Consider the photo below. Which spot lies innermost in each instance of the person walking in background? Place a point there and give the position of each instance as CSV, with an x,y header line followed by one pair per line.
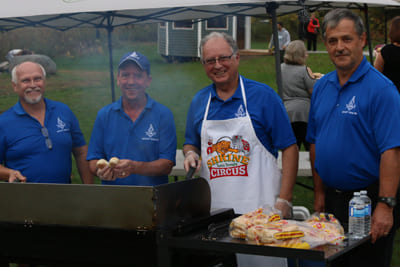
x,y
297,87
312,32
283,39
235,117
388,57
354,131
37,135
136,129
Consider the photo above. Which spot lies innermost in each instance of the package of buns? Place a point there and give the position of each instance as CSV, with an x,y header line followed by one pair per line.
x,y
268,229
327,226
283,233
238,227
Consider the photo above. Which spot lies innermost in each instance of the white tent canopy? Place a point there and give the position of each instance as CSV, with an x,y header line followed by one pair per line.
x,y
12,9
67,14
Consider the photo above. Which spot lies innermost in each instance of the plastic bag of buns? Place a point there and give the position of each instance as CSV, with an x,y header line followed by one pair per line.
x,y
264,226
295,234
238,227
284,233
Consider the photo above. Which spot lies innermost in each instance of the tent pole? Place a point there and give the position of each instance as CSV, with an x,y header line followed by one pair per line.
x,y
371,58
271,9
386,13
110,57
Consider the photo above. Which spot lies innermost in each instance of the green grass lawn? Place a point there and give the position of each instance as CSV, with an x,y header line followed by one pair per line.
x,y
83,83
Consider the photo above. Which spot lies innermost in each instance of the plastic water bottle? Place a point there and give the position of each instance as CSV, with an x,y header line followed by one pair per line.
x,y
367,211
356,216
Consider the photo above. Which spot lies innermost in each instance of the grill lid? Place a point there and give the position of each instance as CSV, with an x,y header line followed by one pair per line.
x,y
123,207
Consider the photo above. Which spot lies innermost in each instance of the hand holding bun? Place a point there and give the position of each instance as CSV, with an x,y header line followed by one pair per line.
x,y
101,163
113,162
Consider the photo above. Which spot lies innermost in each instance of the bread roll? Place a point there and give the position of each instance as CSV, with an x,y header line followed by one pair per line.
x,y
101,163
113,162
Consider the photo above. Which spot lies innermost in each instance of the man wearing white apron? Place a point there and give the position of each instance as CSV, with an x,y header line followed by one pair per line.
x,y
238,125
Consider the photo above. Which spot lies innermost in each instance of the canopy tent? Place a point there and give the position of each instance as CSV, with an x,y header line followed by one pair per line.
x,y
66,14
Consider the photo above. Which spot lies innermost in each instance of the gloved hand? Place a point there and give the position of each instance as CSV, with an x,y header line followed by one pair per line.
x,y
191,160
285,207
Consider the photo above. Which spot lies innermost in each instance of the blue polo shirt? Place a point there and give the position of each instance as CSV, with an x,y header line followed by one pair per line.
x,y
151,137
351,126
23,146
267,113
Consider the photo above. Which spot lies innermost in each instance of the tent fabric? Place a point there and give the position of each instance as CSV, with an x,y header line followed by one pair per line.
x,y
67,14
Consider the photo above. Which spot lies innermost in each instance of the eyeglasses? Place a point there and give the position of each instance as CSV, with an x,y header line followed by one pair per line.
x,y
45,133
221,60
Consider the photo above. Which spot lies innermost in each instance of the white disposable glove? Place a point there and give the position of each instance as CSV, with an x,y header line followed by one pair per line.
x,y
285,207
191,160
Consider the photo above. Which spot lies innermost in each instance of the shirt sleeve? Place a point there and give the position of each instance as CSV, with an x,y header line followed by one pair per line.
x,y
276,124
311,127
287,38
168,138
2,146
78,139
96,149
386,118
192,134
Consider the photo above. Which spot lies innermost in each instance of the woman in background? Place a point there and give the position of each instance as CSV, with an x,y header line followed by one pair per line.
x,y
388,59
312,32
298,82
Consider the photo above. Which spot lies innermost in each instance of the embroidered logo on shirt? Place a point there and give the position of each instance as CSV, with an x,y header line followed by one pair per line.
x,y
240,112
350,107
61,126
229,156
150,133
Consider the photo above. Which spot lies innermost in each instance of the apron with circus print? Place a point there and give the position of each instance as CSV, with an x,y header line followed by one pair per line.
x,y
242,173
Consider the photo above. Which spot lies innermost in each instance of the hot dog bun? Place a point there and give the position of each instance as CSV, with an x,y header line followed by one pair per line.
x,y
113,162
101,163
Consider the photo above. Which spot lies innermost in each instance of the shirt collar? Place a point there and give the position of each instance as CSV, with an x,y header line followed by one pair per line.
x,y
236,95
359,73
118,104
19,110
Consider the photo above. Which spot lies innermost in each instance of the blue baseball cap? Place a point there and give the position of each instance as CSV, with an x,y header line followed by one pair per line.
x,y
136,57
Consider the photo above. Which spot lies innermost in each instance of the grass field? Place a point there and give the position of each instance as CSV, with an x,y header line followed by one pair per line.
x,y
83,83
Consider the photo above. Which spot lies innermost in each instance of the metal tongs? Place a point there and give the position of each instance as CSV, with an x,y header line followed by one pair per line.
x,y
189,174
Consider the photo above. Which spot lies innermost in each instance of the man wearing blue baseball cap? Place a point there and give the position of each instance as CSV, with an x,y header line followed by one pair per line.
x,y
136,129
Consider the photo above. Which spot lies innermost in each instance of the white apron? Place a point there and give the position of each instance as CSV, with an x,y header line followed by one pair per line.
x,y
242,173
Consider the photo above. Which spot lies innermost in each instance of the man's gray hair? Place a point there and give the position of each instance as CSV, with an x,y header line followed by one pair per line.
x,y
14,76
222,35
333,17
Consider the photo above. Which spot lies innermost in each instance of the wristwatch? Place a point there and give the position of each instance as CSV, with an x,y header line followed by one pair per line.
x,y
390,201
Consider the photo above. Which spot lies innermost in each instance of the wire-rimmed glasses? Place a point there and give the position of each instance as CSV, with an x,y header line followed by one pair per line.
x,y
212,61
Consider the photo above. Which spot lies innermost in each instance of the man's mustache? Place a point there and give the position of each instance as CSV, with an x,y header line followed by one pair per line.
x,y
30,90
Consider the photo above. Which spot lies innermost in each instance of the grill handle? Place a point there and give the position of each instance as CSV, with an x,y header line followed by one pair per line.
x,y
189,174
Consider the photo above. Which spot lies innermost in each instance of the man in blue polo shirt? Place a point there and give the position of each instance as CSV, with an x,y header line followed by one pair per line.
x,y
37,135
238,125
136,129
354,131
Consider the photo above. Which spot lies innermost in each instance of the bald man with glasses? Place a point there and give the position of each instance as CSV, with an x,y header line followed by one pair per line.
x,y
38,135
